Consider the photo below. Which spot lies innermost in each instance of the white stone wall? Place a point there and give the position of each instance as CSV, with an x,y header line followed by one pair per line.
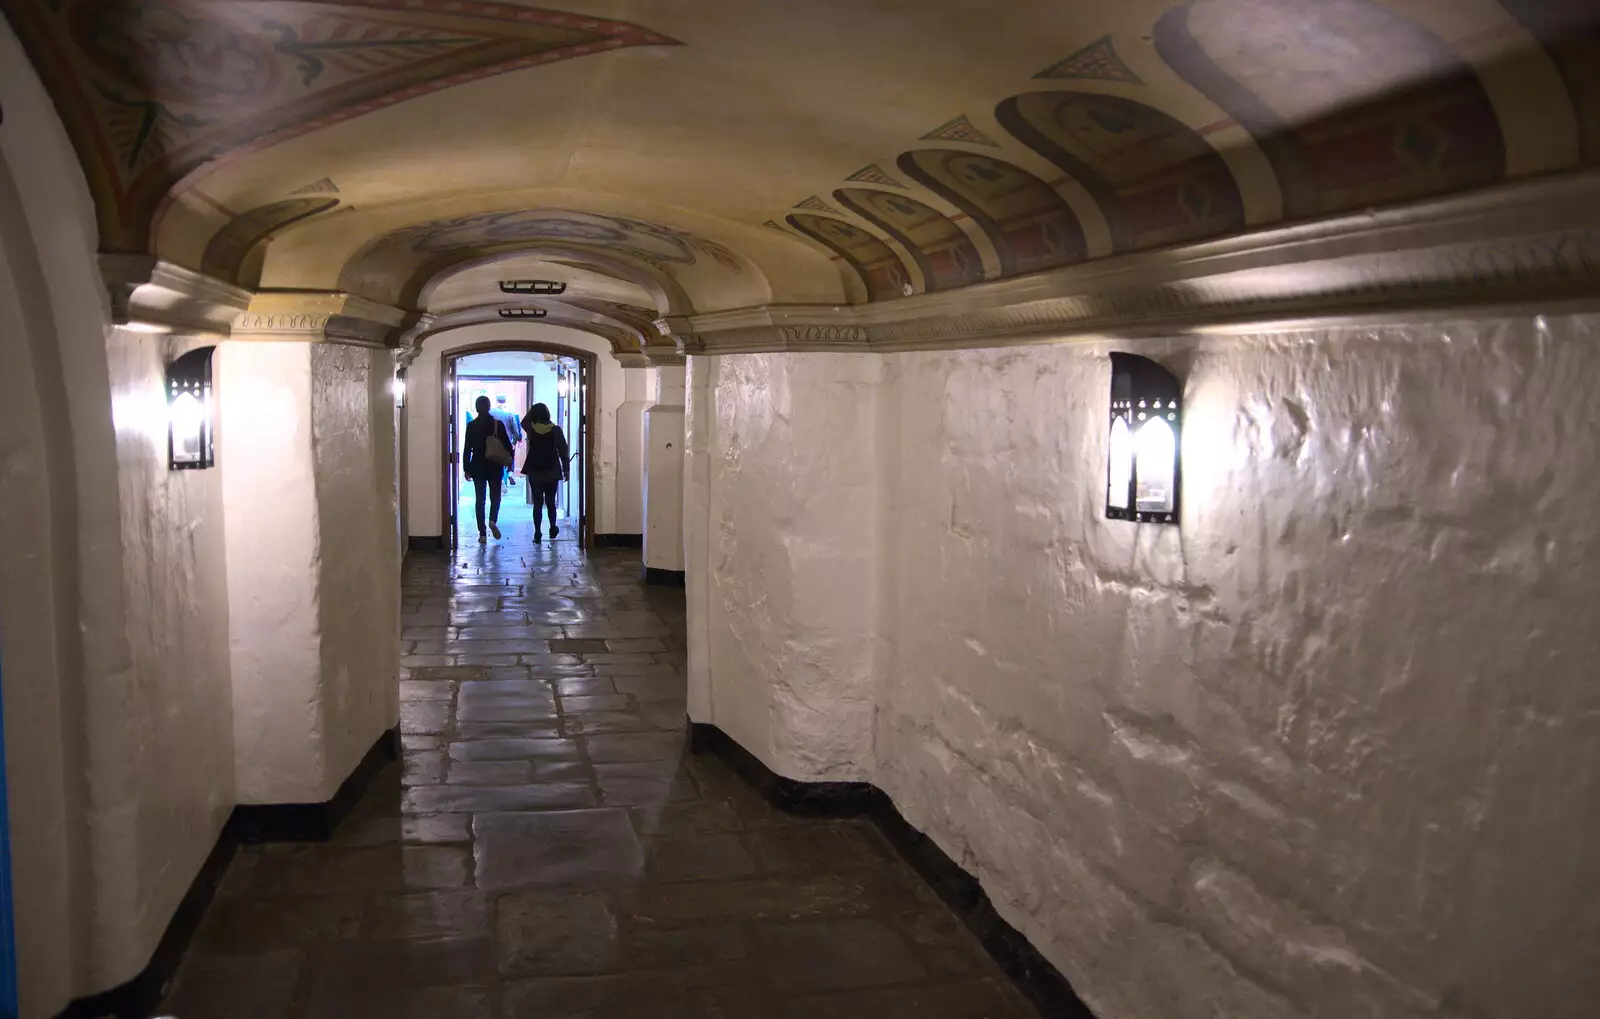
x,y
1327,750
116,662
783,468
424,447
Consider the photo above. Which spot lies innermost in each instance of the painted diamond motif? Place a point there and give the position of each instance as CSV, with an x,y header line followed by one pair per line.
x,y
872,173
1097,61
959,130
1420,144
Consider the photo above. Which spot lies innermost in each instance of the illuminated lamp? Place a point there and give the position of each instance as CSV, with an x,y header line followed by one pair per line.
x,y
563,387
522,313
400,388
1143,471
189,428
532,287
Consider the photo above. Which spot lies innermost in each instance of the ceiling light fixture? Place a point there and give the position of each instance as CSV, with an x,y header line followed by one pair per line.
x,y
532,287
523,313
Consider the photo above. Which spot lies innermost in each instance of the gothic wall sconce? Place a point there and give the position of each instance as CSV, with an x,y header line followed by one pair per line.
x,y
190,444
1143,473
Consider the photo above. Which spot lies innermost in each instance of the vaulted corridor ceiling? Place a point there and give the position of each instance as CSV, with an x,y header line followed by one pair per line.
x,y
678,158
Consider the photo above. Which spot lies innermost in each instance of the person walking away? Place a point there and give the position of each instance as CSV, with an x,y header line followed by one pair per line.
x,y
484,464
504,415
545,466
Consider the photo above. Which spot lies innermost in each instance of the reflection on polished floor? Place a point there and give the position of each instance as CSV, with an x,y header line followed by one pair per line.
x,y
547,849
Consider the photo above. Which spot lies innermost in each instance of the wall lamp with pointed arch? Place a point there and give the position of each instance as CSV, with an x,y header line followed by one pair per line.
x,y
523,313
1144,470
190,445
532,287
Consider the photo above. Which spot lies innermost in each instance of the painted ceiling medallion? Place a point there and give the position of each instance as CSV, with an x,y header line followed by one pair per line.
x,y
959,130
1097,61
151,90
872,173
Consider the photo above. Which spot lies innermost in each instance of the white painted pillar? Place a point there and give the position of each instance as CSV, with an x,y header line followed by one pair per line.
x,y
663,479
270,506
630,450
306,434
698,426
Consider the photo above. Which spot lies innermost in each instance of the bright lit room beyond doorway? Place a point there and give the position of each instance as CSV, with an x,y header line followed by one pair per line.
x,y
515,381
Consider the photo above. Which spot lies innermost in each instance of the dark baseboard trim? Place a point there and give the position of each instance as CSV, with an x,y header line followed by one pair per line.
x,y
313,822
289,822
139,997
1033,974
663,578
426,543
619,541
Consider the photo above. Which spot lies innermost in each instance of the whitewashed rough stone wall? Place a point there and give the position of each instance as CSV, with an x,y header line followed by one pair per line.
x,y
1330,749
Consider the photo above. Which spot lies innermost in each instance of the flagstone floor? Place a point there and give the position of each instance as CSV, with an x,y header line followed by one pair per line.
x,y
548,848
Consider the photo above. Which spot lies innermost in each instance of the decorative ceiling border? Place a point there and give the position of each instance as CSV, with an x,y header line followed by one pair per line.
x,y
1532,241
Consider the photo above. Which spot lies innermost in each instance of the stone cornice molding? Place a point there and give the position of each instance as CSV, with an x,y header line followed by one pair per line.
x,y
1532,241
315,316
664,357
632,360
146,291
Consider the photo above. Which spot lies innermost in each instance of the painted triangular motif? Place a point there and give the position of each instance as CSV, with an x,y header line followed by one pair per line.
x,y
774,225
872,173
959,130
1097,61
818,205
325,186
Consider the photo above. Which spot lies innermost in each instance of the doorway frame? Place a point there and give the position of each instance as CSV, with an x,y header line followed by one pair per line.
x,y
591,374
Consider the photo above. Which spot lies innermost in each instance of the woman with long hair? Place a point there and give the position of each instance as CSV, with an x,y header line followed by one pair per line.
x,y
546,464
484,472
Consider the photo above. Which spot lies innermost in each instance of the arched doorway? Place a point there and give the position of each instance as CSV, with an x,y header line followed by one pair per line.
x,y
575,391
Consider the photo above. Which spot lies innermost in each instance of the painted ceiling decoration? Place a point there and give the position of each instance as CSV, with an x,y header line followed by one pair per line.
x,y
959,130
880,269
1097,61
816,204
228,253
151,90
1029,223
1157,181
230,132
941,249
325,186
872,173
1283,71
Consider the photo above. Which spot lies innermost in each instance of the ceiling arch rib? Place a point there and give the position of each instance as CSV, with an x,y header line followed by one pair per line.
x,y
398,266
1029,223
941,249
1157,180
879,268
